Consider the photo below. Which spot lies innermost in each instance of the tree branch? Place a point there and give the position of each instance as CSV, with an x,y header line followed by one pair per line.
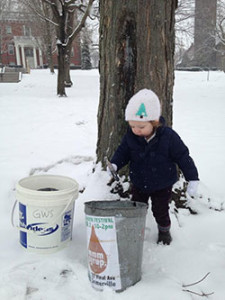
x,y
33,8
82,22
79,7
68,3
49,2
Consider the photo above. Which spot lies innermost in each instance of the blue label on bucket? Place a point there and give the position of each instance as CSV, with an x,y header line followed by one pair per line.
x,y
23,223
66,226
42,229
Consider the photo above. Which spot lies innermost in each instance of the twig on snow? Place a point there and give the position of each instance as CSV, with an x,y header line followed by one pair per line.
x,y
198,294
191,284
202,294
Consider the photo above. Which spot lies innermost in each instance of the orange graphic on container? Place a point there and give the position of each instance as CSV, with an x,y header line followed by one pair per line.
x,y
96,255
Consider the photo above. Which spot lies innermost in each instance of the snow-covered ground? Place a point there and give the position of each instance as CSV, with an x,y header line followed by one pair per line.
x,y
43,134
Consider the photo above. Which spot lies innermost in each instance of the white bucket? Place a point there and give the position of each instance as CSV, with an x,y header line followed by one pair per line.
x,y
46,209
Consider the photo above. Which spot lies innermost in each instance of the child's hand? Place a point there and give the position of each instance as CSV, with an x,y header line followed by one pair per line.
x,y
108,169
192,188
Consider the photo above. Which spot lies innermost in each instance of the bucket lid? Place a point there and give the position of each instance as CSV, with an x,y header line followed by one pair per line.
x,y
115,208
46,187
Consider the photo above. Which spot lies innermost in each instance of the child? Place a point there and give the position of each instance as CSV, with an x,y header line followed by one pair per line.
x,y
154,151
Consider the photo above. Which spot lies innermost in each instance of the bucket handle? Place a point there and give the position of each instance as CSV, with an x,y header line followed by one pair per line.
x,y
52,222
12,214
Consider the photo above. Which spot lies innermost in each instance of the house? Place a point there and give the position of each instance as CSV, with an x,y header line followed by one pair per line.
x,y
21,44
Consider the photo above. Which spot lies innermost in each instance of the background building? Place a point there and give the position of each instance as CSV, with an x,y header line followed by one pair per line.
x,y
22,43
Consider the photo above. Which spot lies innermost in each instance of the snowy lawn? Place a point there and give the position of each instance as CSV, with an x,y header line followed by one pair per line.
x,y
43,134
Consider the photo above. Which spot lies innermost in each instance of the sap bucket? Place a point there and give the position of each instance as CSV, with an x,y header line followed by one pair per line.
x,y
46,208
115,237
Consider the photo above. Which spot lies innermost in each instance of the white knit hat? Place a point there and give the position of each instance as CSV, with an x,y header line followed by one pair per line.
x,y
143,106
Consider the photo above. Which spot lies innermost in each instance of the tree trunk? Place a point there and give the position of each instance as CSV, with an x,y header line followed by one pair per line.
x,y
48,38
61,34
0,47
50,59
136,51
61,71
68,81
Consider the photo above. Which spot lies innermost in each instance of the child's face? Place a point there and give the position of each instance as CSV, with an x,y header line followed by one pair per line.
x,y
140,128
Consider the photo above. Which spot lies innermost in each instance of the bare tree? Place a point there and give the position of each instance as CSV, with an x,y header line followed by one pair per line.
x,y
68,17
92,30
136,51
48,41
209,38
204,35
220,35
63,13
85,52
184,17
184,27
220,27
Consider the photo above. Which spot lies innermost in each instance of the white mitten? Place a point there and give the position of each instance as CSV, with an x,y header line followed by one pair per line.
x,y
192,188
108,170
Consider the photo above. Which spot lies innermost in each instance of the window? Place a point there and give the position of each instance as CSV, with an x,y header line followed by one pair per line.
x,y
8,29
26,31
10,49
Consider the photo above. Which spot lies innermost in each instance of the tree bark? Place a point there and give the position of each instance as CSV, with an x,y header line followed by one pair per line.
x,y
50,60
70,21
61,71
136,51
68,81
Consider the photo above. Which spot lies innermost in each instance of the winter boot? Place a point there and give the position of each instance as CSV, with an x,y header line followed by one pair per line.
x,y
164,237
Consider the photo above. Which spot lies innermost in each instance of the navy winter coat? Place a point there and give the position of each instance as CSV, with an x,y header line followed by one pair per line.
x,y
153,163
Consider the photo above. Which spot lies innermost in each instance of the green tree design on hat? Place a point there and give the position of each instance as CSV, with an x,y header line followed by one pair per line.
x,y
141,111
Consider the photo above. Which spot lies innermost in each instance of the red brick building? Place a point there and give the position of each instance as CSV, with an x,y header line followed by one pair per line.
x,y
20,44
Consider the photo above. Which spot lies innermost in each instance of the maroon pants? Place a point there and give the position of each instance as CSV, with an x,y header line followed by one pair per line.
x,y
160,205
